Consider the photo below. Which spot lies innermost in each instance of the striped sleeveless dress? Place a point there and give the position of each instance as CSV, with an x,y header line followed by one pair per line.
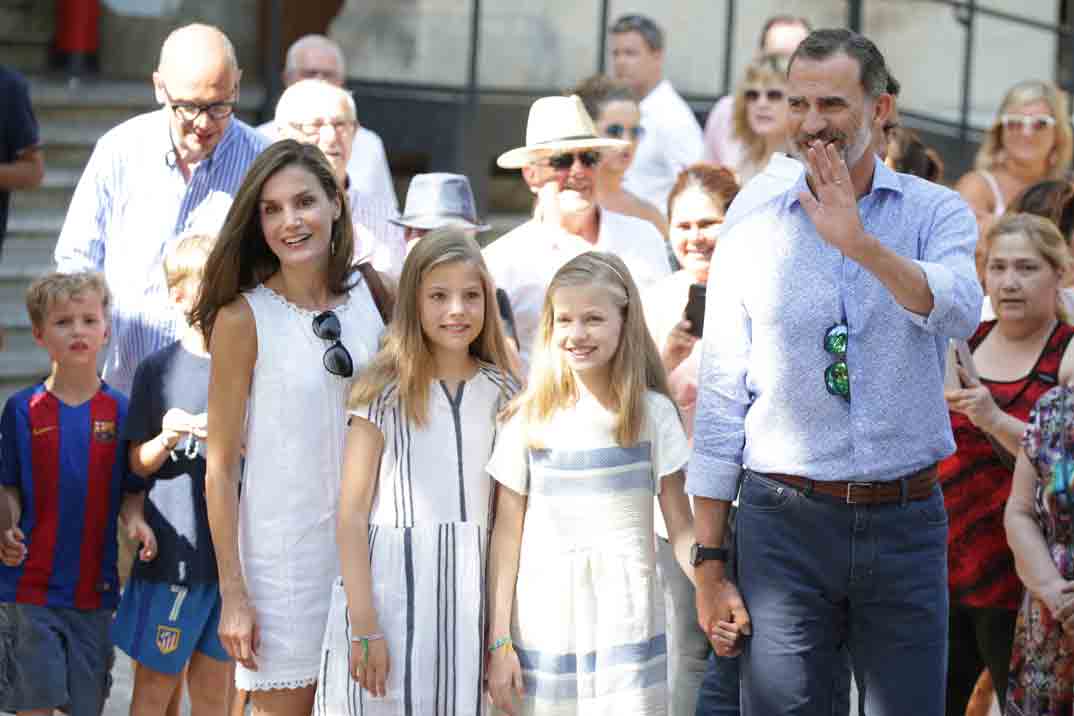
x,y
588,622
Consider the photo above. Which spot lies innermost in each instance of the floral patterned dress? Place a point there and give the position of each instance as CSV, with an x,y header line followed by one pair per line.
x,y
1042,661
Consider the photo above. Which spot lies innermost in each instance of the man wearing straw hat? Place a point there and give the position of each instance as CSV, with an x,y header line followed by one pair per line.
x,y
559,162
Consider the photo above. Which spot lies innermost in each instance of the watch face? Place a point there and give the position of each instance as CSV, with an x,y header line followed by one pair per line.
x,y
694,560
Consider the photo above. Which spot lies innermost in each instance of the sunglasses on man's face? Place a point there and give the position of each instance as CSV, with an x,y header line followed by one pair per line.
x,y
772,95
562,162
337,359
618,131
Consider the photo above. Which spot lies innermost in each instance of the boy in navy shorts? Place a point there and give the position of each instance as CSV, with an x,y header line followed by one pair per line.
x,y
63,477
168,618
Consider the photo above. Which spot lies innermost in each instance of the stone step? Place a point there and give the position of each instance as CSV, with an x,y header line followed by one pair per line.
x,y
21,251
54,193
37,225
20,369
14,279
18,338
111,101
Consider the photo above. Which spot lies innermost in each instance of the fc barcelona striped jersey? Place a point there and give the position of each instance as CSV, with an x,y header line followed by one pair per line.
x,y
71,469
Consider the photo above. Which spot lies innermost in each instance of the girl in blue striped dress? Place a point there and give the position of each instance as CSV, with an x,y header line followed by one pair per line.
x,y
406,629
576,616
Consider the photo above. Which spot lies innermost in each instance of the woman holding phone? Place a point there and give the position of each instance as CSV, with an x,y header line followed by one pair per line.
x,y
1016,358
696,208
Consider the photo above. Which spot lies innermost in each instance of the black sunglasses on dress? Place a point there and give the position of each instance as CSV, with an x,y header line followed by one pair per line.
x,y
337,359
561,162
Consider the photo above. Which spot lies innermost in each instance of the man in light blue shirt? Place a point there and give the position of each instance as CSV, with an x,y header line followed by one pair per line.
x,y
153,178
829,308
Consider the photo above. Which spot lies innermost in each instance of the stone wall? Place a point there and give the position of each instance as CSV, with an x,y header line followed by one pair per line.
x,y
132,32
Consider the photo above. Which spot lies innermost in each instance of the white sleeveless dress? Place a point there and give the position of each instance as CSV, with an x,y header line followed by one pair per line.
x,y
296,420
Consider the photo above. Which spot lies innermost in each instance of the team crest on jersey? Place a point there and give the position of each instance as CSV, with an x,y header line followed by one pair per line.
x,y
168,639
104,431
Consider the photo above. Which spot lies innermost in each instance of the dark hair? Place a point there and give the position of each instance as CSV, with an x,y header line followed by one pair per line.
x,y
894,87
598,90
718,182
911,156
644,26
1053,199
781,20
822,44
241,259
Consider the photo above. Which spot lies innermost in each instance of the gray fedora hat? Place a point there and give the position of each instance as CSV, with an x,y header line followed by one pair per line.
x,y
439,199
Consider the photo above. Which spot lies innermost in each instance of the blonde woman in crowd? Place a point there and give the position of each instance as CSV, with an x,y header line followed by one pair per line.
x,y
1018,357
1029,141
761,114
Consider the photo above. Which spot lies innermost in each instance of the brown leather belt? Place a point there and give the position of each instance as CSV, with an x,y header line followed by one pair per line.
x,y
918,486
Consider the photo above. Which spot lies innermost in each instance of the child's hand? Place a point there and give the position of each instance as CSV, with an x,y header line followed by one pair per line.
x,y
199,425
12,547
370,668
504,679
139,532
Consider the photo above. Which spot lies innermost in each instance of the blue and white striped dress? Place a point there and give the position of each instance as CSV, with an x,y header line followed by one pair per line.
x,y
428,541
588,622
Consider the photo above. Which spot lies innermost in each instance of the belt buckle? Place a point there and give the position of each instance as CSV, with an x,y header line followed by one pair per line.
x,y
850,490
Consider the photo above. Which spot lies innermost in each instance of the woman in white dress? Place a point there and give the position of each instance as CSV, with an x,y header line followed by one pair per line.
x,y
406,621
289,322
576,614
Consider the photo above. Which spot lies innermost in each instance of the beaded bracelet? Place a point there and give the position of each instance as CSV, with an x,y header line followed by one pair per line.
x,y
502,641
365,643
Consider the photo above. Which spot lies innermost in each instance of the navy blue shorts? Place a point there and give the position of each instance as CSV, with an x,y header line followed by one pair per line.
x,y
54,657
161,625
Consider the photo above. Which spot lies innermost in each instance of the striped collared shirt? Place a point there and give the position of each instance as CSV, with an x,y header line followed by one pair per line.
x,y
376,239
130,205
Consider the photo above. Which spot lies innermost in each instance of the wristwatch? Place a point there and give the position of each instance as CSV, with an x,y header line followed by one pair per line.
x,y
699,554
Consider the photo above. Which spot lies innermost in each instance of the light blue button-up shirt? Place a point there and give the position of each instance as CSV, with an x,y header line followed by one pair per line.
x,y
776,287
130,205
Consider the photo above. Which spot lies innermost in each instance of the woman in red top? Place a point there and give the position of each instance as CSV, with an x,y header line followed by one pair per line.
x,y
1018,357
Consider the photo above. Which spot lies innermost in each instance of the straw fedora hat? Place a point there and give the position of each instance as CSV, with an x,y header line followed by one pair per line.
x,y
557,124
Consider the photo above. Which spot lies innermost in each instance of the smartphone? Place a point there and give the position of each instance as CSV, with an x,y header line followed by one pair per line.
x,y
965,359
695,309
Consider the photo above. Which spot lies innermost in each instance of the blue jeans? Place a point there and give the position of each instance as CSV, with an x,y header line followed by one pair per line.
x,y
719,693
817,573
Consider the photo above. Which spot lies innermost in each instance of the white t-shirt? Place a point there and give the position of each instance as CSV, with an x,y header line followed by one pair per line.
x,y
672,142
524,260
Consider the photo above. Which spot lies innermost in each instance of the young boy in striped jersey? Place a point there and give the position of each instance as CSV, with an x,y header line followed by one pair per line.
x,y
64,477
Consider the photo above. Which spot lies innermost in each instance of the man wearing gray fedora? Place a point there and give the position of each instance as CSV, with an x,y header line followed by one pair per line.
x,y
559,162
436,200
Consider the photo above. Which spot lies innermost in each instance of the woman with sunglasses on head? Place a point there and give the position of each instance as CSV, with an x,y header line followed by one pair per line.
x,y
761,114
616,115
1030,141
289,321
1016,359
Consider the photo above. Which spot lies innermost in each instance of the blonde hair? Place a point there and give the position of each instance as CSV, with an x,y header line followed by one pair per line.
x,y
1044,237
51,288
767,69
187,258
991,152
405,355
634,370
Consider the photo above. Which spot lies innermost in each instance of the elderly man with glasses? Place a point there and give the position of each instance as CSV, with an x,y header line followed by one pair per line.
x,y
315,112
316,57
152,178
559,163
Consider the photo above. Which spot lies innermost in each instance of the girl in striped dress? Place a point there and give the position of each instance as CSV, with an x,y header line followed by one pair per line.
x,y
576,614
405,629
